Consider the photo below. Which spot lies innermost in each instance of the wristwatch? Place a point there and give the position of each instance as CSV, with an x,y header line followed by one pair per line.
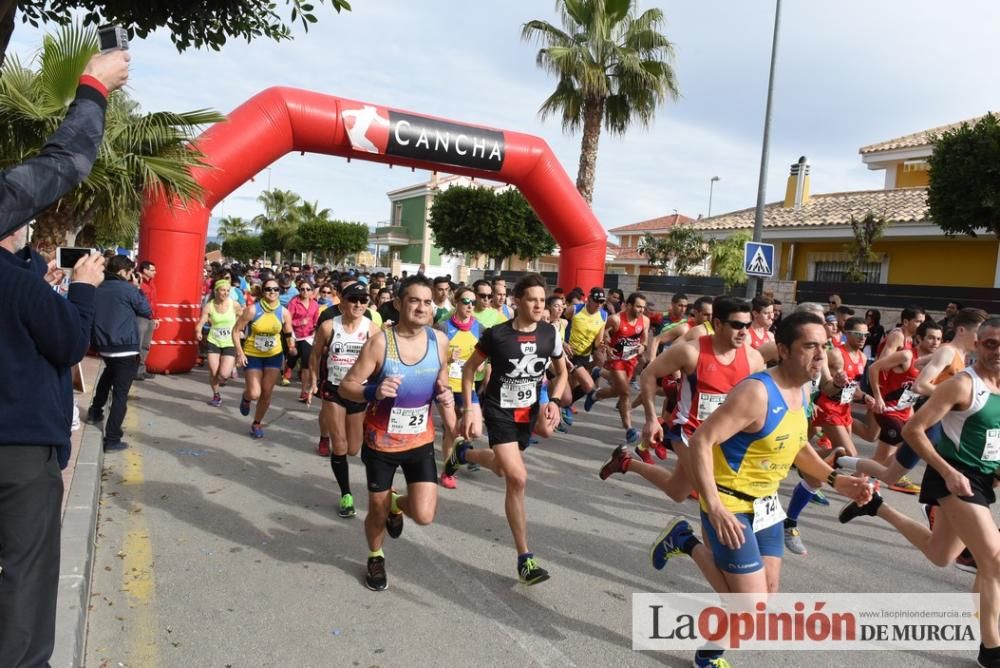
x,y
556,400
832,479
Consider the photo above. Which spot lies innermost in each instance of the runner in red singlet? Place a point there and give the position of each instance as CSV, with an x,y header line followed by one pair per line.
x,y
627,336
762,312
833,411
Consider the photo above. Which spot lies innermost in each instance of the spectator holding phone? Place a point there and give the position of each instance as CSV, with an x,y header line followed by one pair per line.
x,y
44,335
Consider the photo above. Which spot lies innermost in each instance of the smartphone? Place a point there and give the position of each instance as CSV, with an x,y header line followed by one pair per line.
x,y
66,257
112,37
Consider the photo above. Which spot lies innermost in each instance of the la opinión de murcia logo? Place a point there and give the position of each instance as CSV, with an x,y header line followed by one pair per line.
x,y
376,130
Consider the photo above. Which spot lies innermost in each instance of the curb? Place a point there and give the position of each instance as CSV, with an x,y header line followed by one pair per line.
x,y
77,552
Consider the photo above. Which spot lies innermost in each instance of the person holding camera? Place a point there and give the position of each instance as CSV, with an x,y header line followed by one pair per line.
x,y
118,304
44,336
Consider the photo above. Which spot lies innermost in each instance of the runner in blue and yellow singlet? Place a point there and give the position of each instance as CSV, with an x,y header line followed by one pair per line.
x,y
740,454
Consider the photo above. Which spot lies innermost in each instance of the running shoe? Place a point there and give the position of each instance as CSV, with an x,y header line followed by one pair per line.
x,y
852,510
216,401
588,403
115,446
966,562
303,396
567,415
717,662
906,486
631,436
244,406
533,440
530,573
793,541
323,447
834,455
928,513
823,443
668,543
693,495
819,499
562,427
256,431
454,461
644,454
618,463
285,382
375,577
661,450
472,466
346,506
448,481
394,522
988,658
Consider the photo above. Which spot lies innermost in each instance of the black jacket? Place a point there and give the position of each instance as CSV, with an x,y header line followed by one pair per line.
x,y
117,304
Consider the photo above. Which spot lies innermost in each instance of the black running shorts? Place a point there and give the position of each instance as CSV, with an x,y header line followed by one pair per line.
x,y
417,463
501,427
933,488
331,394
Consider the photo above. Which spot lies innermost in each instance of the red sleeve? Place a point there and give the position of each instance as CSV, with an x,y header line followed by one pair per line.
x,y
93,82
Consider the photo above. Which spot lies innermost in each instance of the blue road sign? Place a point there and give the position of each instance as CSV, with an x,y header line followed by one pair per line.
x,y
758,259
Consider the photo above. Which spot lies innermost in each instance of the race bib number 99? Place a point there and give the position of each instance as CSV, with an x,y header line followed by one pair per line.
x,y
518,395
408,420
707,403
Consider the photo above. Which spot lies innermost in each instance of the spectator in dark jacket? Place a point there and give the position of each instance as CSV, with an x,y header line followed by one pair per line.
x,y
116,337
44,335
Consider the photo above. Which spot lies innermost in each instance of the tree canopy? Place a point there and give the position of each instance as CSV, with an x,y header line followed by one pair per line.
x,y
866,232
205,23
244,248
964,191
483,221
679,252
727,259
332,238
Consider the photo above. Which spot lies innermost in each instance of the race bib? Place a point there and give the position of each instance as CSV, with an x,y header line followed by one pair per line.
x,y
707,403
455,370
337,373
518,395
847,393
906,399
991,449
265,343
628,352
222,333
767,512
408,420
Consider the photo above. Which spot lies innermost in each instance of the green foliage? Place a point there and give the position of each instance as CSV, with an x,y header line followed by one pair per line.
x,y
271,240
613,65
233,226
207,23
679,252
482,221
243,248
212,246
333,239
964,192
866,231
727,259
139,152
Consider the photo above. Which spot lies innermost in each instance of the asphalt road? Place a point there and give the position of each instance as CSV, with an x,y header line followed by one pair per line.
x,y
215,549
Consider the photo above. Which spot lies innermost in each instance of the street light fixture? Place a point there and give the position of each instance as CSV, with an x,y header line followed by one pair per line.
x,y
711,186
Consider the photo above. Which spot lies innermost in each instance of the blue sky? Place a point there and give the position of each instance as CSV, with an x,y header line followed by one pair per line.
x,y
849,73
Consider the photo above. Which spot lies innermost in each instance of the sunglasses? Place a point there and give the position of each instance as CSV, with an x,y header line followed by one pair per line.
x,y
484,295
305,289
358,300
466,301
325,292
859,335
737,324
270,290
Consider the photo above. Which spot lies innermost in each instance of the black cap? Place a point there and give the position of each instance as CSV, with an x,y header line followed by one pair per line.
x,y
354,290
597,294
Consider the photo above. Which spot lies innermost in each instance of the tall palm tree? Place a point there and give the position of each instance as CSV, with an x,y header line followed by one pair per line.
x,y
614,67
139,151
279,209
233,226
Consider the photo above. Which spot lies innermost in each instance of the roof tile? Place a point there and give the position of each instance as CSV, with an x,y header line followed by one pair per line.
x,y
662,223
914,140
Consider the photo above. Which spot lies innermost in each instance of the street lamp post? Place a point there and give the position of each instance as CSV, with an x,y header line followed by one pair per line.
x,y
711,186
758,218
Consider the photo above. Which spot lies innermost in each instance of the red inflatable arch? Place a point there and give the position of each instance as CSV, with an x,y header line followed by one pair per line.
x,y
280,120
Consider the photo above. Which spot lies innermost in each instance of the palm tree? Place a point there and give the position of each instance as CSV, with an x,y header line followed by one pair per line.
x,y
139,151
233,226
279,209
613,67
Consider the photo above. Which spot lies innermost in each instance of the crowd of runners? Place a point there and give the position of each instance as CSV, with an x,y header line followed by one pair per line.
x,y
741,394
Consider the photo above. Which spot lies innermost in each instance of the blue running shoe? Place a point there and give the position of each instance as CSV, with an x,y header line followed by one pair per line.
x,y
668,543
256,431
631,436
819,499
244,406
567,415
595,373
589,402
705,662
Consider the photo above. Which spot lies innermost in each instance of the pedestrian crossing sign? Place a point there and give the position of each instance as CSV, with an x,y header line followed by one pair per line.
x,y
758,259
